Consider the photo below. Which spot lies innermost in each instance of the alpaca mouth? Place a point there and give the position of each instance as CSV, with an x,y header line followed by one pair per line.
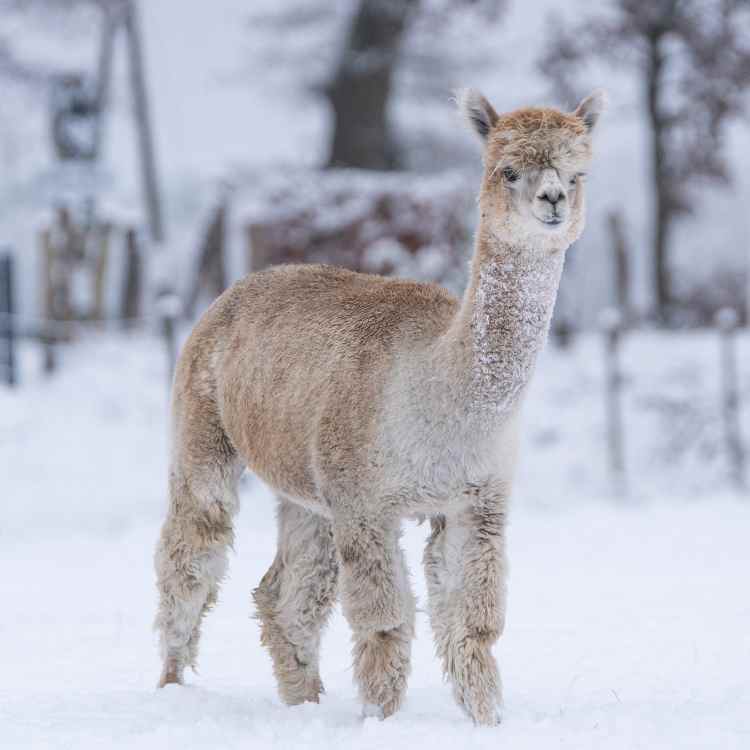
x,y
553,221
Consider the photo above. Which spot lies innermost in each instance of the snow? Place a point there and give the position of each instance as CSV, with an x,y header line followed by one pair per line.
x,y
628,622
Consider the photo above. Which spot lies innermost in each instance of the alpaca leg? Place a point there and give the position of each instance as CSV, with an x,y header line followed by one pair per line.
x,y
465,570
294,600
191,555
379,605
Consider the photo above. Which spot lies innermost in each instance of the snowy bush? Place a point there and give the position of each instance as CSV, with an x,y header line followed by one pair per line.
x,y
402,224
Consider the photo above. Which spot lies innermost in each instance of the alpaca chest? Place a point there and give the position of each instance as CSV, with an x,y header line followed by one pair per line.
x,y
436,468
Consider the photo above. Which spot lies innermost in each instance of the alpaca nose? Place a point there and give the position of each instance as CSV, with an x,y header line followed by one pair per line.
x,y
552,195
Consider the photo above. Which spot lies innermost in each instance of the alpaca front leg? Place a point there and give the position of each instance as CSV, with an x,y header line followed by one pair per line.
x,y
379,606
465,571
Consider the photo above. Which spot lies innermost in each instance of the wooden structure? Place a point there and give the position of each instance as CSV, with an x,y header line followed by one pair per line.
x,y
73,249
80,99
211,275
378,223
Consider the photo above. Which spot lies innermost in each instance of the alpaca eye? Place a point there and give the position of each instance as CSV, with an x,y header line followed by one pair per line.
x,y
574,179
510,174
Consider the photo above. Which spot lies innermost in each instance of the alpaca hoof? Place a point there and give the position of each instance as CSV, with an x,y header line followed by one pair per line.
x,y
490,719
372,710
309,692
314,690
170,676
483,712
298,701
381,712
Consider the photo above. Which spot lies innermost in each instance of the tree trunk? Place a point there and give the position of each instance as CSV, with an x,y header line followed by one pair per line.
x,y
663,213
143,124
361,87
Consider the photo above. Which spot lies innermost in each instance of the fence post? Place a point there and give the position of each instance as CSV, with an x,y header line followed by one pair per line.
x,y
101,236
49,356
621,257
7,313
727,321
130,305
169,307
612,326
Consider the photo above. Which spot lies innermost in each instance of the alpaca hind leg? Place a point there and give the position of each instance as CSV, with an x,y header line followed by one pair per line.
x,y
294,600
465,571
191,555
379,606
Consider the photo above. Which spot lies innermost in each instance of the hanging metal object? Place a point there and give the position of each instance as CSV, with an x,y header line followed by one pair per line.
x,y
75,114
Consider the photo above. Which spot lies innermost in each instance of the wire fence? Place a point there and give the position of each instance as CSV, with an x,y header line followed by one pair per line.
x,y
615,332
49,333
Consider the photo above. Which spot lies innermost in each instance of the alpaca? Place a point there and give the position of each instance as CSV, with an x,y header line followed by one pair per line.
x,y
361,401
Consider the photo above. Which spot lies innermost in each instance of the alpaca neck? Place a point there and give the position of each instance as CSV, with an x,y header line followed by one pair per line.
x,y
504,319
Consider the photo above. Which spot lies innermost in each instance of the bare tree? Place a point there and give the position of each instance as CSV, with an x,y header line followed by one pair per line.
x,y
360,89
693,61
355,54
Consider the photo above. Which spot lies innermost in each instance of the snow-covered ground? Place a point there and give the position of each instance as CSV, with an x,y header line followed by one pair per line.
x,y
629,620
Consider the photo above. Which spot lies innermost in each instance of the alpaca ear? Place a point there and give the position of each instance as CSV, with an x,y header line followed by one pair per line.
x,y
477,110
591,108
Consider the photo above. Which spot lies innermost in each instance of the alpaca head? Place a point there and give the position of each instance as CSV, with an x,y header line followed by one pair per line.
x,y
535,163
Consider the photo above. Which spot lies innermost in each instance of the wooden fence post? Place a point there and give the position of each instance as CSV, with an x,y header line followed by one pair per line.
x,y
130,304
612,324
49,356
170,308
101,235
47,256
621,261
727,321
7,319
